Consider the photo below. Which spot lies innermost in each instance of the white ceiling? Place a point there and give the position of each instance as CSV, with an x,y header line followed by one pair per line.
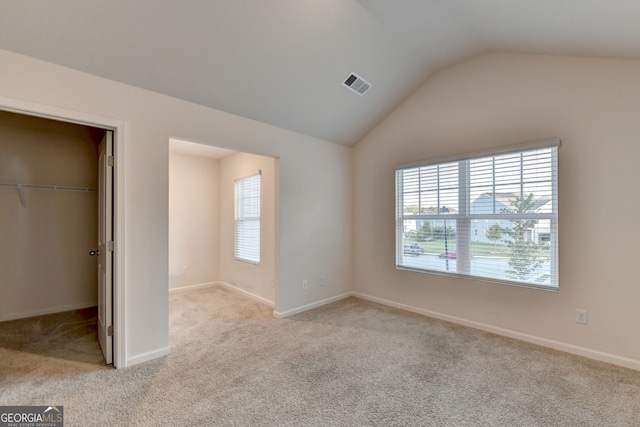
x,y
282,61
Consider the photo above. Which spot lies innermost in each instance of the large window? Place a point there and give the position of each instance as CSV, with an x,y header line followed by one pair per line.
x,y
247,219
491,216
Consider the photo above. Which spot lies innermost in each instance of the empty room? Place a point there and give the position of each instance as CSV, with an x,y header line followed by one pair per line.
x,y
413,213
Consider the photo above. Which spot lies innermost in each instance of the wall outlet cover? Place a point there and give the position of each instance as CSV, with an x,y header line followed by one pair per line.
x,y
581,316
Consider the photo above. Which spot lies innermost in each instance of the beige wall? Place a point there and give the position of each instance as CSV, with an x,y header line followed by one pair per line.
x,y
193,220
314,198
258,280
44,247
593,106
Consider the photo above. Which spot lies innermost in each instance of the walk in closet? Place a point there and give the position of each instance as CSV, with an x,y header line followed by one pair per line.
x,y
48,215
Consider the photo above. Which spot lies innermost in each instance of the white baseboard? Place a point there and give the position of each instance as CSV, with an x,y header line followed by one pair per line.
x,y
145,357
246,293
282,315
192,287
556,345
48,310
545,342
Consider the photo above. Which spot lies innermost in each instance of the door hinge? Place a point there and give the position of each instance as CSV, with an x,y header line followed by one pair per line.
x,y
110,161
110,246
110,331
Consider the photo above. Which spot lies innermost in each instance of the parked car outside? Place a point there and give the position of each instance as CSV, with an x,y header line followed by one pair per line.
x,y
413,249
452,254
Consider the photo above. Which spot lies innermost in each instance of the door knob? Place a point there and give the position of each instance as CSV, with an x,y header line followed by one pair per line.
x,y
95,253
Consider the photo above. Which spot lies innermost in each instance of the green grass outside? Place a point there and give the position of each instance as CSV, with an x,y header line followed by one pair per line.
x,y
436,247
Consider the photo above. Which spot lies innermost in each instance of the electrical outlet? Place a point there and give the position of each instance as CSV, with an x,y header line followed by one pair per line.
x,y
184,271
273,282
581,316
323,280
305,285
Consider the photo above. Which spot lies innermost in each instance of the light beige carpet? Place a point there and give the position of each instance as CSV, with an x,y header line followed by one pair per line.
x,y
49,346
350,363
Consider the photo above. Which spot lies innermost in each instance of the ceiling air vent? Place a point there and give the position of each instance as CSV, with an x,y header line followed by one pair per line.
x,y
356,84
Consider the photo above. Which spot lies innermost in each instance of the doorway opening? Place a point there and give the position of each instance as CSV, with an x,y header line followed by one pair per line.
x,y
49,170
202,221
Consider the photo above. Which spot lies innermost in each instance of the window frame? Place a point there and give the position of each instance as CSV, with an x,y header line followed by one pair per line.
x,y
246,191
464,217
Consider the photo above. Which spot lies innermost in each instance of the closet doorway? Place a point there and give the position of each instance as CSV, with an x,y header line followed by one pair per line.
x,y
56,188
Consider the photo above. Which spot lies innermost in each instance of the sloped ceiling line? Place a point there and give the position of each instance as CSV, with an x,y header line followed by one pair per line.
x,y
252,58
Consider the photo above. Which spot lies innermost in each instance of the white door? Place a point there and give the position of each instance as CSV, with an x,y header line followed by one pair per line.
x,y
105,246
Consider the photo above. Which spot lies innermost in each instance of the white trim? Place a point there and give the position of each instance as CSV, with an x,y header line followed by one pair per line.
x,y
556,345
246,293
54,113
119,261
224,285
149,355
48,310
193,287
545,143
545,342
303,308
466,276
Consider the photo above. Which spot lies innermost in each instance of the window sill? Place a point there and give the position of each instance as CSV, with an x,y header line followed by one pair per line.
x,y
528,285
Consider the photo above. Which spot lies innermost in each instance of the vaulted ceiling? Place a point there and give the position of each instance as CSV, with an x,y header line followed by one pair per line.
x,y
283,61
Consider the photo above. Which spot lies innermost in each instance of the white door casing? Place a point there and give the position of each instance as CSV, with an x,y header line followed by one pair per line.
x,y
105,246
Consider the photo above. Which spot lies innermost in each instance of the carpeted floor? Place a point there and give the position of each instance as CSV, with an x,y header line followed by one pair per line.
x,y
49,346
350,363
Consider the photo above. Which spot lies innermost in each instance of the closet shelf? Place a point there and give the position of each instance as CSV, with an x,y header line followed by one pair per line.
x,y
47,187
21,188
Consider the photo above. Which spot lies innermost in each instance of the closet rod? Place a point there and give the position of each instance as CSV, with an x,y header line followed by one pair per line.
x,y
47,187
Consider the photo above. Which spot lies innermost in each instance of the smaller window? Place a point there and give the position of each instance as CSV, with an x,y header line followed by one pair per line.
x,y
247,219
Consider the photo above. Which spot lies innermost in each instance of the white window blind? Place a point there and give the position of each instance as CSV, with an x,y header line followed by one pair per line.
x,y
247,219
491,216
